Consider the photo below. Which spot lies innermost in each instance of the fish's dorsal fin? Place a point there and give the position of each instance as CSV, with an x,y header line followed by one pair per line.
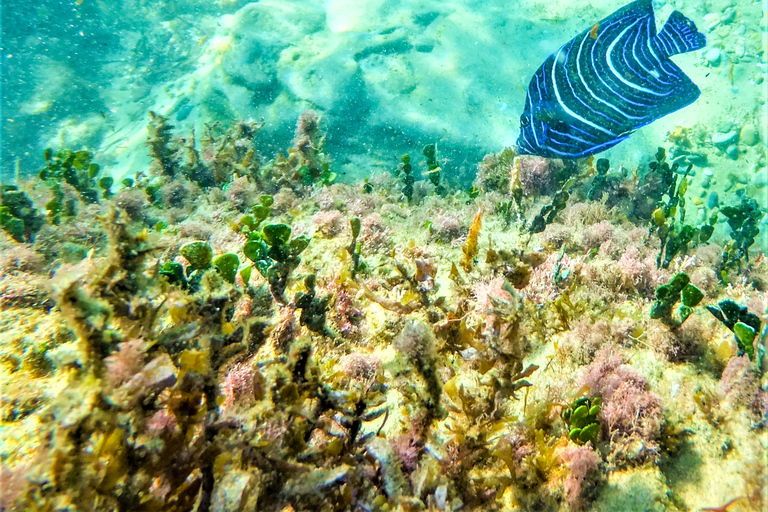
x,y
679,35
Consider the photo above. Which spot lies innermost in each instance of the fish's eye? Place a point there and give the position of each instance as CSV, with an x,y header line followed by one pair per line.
x,y
524,121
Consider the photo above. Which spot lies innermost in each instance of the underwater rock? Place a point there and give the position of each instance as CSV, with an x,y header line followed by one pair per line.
x,y
160,373
713,57
722,140
713,200
760,179
749,135
260,32
237,490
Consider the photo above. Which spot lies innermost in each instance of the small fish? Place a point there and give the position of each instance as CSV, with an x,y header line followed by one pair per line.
x,y
607,82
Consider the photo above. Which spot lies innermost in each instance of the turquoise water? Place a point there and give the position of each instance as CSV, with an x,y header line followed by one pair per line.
x,y
387,76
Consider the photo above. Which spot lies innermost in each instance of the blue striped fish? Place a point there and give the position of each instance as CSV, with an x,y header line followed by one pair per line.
x,y
607,82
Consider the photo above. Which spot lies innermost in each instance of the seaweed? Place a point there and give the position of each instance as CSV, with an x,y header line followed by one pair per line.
x,y
667,295
355,248
600,181
674,234
18,215
77,169
582,420
744,325
313,308
433,168
742,221
469,248
548,212
405,169
275,255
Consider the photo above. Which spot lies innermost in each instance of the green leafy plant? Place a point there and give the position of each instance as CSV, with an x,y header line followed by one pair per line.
x,y
667,295
433,168
275,255
312,175
18,215
355,248
259,213
227,265
668,219
199,255
744,325
581,418
77,169
742,219
174,272
405,170
313,308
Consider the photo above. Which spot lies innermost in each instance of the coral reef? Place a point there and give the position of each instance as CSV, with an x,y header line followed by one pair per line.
x,y
406,345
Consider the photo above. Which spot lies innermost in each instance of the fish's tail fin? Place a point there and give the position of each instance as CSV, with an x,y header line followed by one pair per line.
x,y
679,35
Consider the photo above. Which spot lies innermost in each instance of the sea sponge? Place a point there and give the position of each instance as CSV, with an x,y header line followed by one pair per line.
x,y
284,200
242,193
494,171
361,367
636,272
374,235
15,257
133,201
416,341
596,234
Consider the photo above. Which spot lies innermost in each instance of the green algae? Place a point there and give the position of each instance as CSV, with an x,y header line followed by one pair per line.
x,y
199,255
227,265
18,215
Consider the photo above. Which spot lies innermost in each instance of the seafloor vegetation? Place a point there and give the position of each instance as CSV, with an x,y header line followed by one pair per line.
x,y
232,332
